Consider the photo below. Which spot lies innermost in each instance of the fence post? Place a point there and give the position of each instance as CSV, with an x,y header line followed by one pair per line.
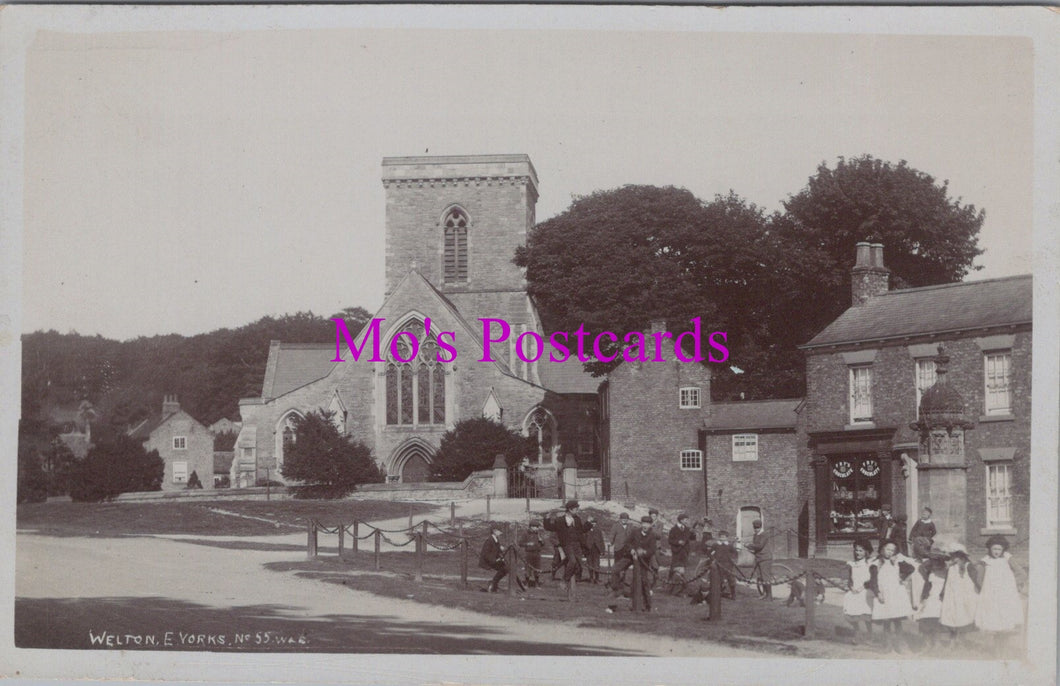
x,y
809,596
635,590
528,501
509,560
378,536
788,546
715,592
311,540
410,515
487,507
353,543
463,560
420,545
452,513
342,538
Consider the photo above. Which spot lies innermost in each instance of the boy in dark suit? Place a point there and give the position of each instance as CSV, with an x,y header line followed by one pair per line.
x,y
638,550
569,530
594,548
533,543
492,557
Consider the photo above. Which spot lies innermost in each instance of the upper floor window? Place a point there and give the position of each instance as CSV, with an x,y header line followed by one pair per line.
x,y
744,447
455,263
860,394
180,443
415,390
690,398
998,382
925,378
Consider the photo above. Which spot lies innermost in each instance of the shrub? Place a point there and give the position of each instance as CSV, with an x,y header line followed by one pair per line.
x,y
473,444
328,464
116,464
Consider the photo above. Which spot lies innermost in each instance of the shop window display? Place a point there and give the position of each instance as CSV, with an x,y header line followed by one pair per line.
x,y
856,493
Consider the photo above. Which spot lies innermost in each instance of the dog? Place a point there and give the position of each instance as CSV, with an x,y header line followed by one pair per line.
x,y
798,591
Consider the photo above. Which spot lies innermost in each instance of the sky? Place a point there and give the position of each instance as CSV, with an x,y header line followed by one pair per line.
x,y
180,182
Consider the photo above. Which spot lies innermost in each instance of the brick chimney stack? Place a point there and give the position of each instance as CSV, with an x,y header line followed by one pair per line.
x,y
868,277
169,405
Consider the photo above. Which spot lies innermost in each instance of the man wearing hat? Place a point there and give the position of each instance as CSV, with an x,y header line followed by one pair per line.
x,y
762,546
658,527
533,543
492,557
619,533
594,548
680,540
638,549
569,530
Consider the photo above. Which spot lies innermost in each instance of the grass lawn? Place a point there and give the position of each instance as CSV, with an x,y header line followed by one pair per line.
x,y
213,518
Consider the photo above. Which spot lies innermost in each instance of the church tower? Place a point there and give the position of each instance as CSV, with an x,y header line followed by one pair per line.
x,y
457,220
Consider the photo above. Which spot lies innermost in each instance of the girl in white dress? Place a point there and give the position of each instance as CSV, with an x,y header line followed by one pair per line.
x,y
929,611
890,580
960,597
857,602
1000,605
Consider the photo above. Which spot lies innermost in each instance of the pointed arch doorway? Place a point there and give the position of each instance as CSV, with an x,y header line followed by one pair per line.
x,y
412,462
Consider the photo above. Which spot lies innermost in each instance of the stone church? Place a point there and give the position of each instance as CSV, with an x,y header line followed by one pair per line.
x,y
452,227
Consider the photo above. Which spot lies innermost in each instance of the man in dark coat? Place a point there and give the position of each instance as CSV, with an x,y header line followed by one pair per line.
x,y
569,530
492,557
594,548
680,540
532,544
639,549
762,547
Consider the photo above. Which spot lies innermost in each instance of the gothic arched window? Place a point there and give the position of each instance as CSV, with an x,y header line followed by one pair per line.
x,y
455,264
286,434
415,390
541,426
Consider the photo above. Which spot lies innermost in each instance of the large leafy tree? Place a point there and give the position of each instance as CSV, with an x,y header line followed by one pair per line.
x,y
928,237
116,464
328,463
474,444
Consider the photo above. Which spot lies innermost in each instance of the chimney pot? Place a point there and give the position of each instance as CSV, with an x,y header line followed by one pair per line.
x,y
877,255
864,254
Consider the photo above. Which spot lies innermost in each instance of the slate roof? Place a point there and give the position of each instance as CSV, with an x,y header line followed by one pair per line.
x,y
567,377
932,310
296,365
752,414
144,429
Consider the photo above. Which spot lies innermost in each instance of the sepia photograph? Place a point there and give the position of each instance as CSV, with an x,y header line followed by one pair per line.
x,y
526,344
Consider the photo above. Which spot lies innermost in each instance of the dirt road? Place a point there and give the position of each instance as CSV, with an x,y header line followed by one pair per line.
x,y
156,593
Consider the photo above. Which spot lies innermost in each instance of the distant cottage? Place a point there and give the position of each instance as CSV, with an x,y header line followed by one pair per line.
x,y
185,445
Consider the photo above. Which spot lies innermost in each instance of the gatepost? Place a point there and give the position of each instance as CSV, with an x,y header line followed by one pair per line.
x,y
500,477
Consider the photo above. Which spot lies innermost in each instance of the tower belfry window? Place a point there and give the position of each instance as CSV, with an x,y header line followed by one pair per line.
x,y
455,227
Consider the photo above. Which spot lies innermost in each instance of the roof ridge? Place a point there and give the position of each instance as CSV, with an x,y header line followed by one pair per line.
x,y
919,289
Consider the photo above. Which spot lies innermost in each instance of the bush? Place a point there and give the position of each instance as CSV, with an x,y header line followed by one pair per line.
x,y
473,444
32,481
116,464
327,463
193,480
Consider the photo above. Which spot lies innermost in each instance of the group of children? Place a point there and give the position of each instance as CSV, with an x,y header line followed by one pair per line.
x,y
941,588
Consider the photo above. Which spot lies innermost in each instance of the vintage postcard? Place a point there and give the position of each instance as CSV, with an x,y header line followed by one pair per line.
x,y
527,344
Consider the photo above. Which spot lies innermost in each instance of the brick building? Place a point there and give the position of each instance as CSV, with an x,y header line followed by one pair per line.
x,y
185,445
750,455
865,441
452,226
664,443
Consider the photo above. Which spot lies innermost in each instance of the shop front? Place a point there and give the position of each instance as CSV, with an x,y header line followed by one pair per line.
x,y
854,485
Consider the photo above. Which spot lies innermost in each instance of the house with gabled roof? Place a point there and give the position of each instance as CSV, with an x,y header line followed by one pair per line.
x,y
918,398
452,226
183,442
